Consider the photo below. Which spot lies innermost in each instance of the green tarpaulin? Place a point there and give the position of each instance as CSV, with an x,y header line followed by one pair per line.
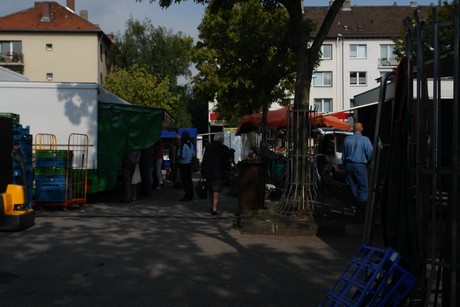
x,y
123,128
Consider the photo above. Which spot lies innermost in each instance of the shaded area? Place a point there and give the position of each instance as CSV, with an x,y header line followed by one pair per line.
x,y
162,252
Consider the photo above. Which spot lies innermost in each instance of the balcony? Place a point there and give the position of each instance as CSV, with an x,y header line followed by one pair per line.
x,y
13,61
388,62
15,58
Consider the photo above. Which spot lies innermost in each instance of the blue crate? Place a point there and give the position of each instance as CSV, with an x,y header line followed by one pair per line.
x,y
398,284
52,162
51,181
19,129
52,194
365,278
27,138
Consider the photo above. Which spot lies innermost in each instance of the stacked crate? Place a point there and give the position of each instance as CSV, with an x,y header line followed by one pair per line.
x,y
17,137
373,278
22,141
53,177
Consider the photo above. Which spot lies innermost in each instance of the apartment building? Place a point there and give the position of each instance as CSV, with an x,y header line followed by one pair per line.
x,y
357,51
50,42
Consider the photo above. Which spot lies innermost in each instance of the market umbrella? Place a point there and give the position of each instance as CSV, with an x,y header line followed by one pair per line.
x,y
277,119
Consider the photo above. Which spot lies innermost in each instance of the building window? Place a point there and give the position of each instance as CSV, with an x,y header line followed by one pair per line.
x,y
49,76
11,51
322,78
49,47
358,78
326,52
358,51
387,55
323,104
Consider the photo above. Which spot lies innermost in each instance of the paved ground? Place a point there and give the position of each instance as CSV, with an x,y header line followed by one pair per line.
x,y
163,252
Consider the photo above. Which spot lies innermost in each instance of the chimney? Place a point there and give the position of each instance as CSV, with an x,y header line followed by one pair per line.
x,y
346,5
84,14
71,5
46,10
413,4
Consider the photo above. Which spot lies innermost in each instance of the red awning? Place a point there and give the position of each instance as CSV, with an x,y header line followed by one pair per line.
x,y
277,119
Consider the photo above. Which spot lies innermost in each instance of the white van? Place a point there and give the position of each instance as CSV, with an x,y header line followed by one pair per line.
x,y
328,150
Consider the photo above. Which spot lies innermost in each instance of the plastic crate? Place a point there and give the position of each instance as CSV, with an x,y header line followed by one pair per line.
x,y
22,138
50,181
53,171
397,286
14,117
20,130
51,194
371,277
52,163
51,154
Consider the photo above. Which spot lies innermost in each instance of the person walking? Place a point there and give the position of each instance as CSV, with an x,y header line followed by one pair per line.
x,y
128,166
173,158
356,154
158,158
214,167
185,165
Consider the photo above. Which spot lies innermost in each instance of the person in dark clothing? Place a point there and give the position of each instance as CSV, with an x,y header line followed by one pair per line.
x,y
173,157
146,167
356,154
128,165
214,167
158,161
186,153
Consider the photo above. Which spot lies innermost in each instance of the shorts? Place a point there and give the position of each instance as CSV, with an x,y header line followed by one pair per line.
x,y
215,185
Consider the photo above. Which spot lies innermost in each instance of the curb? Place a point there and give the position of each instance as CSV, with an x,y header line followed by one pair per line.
x,y
251,225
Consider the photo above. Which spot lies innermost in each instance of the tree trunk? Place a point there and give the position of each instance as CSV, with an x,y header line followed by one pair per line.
x,y
300,190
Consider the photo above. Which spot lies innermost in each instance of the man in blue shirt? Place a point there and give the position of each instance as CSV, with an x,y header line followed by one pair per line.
x,y
356,153
186,153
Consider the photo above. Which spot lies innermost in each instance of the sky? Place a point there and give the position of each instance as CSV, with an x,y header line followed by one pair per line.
x,y
111,15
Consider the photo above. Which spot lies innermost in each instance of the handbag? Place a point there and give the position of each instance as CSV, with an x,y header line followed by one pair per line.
x,y
201,189
137,175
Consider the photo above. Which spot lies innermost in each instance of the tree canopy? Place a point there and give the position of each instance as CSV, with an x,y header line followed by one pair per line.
x,y
137,86
445,17
163,53
306,52
149,62
245,60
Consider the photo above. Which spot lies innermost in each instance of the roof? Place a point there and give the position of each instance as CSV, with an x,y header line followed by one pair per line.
x,y
9,75
60,19
364,21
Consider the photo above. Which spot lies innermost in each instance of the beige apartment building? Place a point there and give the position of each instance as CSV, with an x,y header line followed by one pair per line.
x,y
50,42
358,50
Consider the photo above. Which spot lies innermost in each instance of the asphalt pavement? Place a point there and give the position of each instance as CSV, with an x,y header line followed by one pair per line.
x,y
160,251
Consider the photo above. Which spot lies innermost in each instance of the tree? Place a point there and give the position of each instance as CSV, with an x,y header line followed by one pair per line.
x,y
163,53
244,58
306,52
137,86
445,15
162,57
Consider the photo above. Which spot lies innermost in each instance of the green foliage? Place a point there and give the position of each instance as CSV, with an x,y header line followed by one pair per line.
x,y
137,86
445,13
244,57
163,53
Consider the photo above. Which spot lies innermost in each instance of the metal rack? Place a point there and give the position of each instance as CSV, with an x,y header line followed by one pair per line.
x,y
77,170
61,175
